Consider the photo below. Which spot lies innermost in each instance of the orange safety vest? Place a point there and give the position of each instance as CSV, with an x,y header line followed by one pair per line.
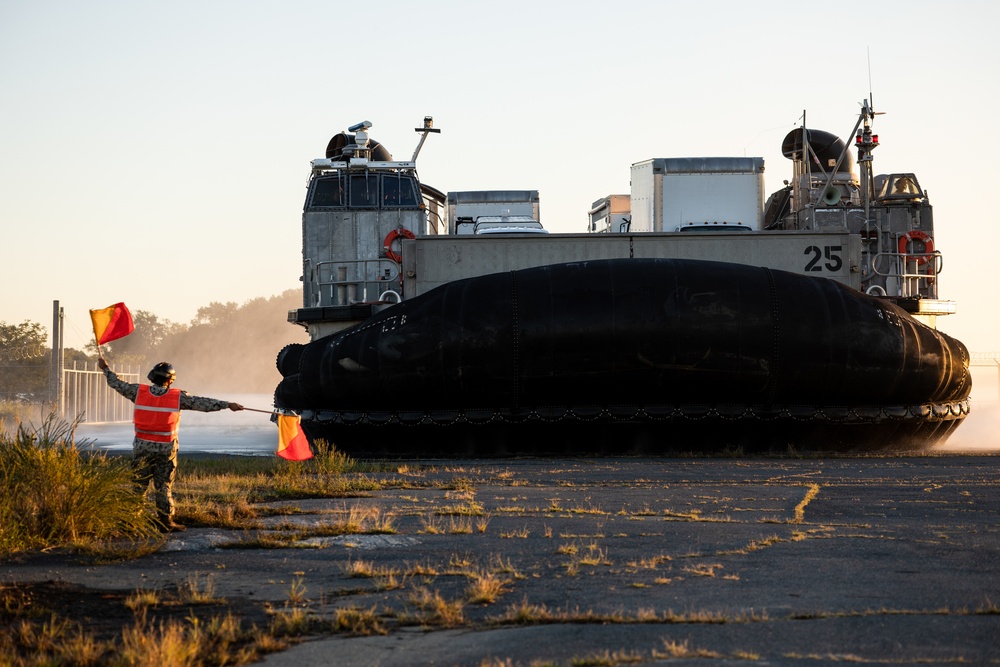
x,y
157,418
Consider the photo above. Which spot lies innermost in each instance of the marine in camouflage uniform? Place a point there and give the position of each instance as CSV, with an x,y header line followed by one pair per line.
x,y
157,461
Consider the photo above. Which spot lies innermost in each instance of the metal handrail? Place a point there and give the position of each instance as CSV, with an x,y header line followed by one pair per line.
x,y
910,282
377,275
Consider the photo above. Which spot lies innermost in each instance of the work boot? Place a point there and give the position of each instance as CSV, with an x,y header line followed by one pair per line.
x,y
166,524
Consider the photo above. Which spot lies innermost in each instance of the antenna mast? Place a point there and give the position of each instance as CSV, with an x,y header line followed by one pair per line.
x,y
427,128
871,98
866,142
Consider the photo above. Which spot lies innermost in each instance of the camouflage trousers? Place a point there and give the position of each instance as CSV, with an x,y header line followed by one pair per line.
x,y
156,462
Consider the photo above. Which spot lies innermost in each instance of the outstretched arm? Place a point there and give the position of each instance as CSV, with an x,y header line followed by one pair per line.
x,y
126,389
204,404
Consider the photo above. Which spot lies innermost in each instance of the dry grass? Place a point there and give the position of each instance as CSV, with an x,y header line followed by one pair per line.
x,y
360,568
210,485
292,622
358,622
694,515
142,599
434,610
425,570
431,525
470,508
501,566
297,591
594,556
219,641
485,588
521,533
800,509
224,503
460,563
650,563
289,533
526,613
198,590
679,650
460,525
53,495
753,545
608,659
356,520
215,640
703,570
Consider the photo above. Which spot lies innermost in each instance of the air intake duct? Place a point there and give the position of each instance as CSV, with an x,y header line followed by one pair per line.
x,y
827,147
340,141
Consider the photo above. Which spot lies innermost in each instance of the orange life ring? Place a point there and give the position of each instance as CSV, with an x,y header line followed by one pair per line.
x,y
392,236
917,235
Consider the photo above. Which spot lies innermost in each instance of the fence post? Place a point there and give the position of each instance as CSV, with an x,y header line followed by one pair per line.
x,y
56,361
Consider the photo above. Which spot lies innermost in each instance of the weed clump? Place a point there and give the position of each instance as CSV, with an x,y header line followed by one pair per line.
x,y
53,494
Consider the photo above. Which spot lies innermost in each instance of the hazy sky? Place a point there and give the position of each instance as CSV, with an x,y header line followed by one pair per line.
x,y
157,153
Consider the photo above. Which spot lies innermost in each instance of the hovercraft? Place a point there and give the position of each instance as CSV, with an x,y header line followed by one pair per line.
x,y
435,334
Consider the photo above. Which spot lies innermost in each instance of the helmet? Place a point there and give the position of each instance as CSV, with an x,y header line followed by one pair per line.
x,y
162,374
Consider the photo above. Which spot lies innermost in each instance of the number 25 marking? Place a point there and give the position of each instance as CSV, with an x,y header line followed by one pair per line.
x,y
830,252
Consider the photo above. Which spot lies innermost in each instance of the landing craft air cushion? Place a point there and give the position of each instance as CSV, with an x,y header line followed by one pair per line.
x,y
805,322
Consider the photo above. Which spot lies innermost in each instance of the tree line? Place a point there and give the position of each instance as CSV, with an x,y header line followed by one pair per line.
x,y
226,348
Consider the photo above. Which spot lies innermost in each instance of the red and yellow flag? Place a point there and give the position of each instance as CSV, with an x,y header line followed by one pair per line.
x,y
292,442
111,323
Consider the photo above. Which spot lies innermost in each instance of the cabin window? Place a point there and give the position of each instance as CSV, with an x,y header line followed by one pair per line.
x,y
901,187
328,192
398,191
364,191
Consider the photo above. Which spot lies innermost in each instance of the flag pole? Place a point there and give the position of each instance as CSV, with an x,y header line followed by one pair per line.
x,y
97,339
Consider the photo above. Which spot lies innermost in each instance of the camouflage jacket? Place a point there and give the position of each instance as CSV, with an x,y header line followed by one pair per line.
x,y
130,391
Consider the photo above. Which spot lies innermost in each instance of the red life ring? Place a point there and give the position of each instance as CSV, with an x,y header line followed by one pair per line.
x,y
392,236
917,235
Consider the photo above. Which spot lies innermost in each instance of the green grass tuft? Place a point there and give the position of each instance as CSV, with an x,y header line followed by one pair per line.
x,y
53,494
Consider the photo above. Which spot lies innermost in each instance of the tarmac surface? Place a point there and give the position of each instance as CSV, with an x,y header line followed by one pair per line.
x,y
601,561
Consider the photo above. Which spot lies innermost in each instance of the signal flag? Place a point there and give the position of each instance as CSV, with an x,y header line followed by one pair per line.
x,y
292,442
111,323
